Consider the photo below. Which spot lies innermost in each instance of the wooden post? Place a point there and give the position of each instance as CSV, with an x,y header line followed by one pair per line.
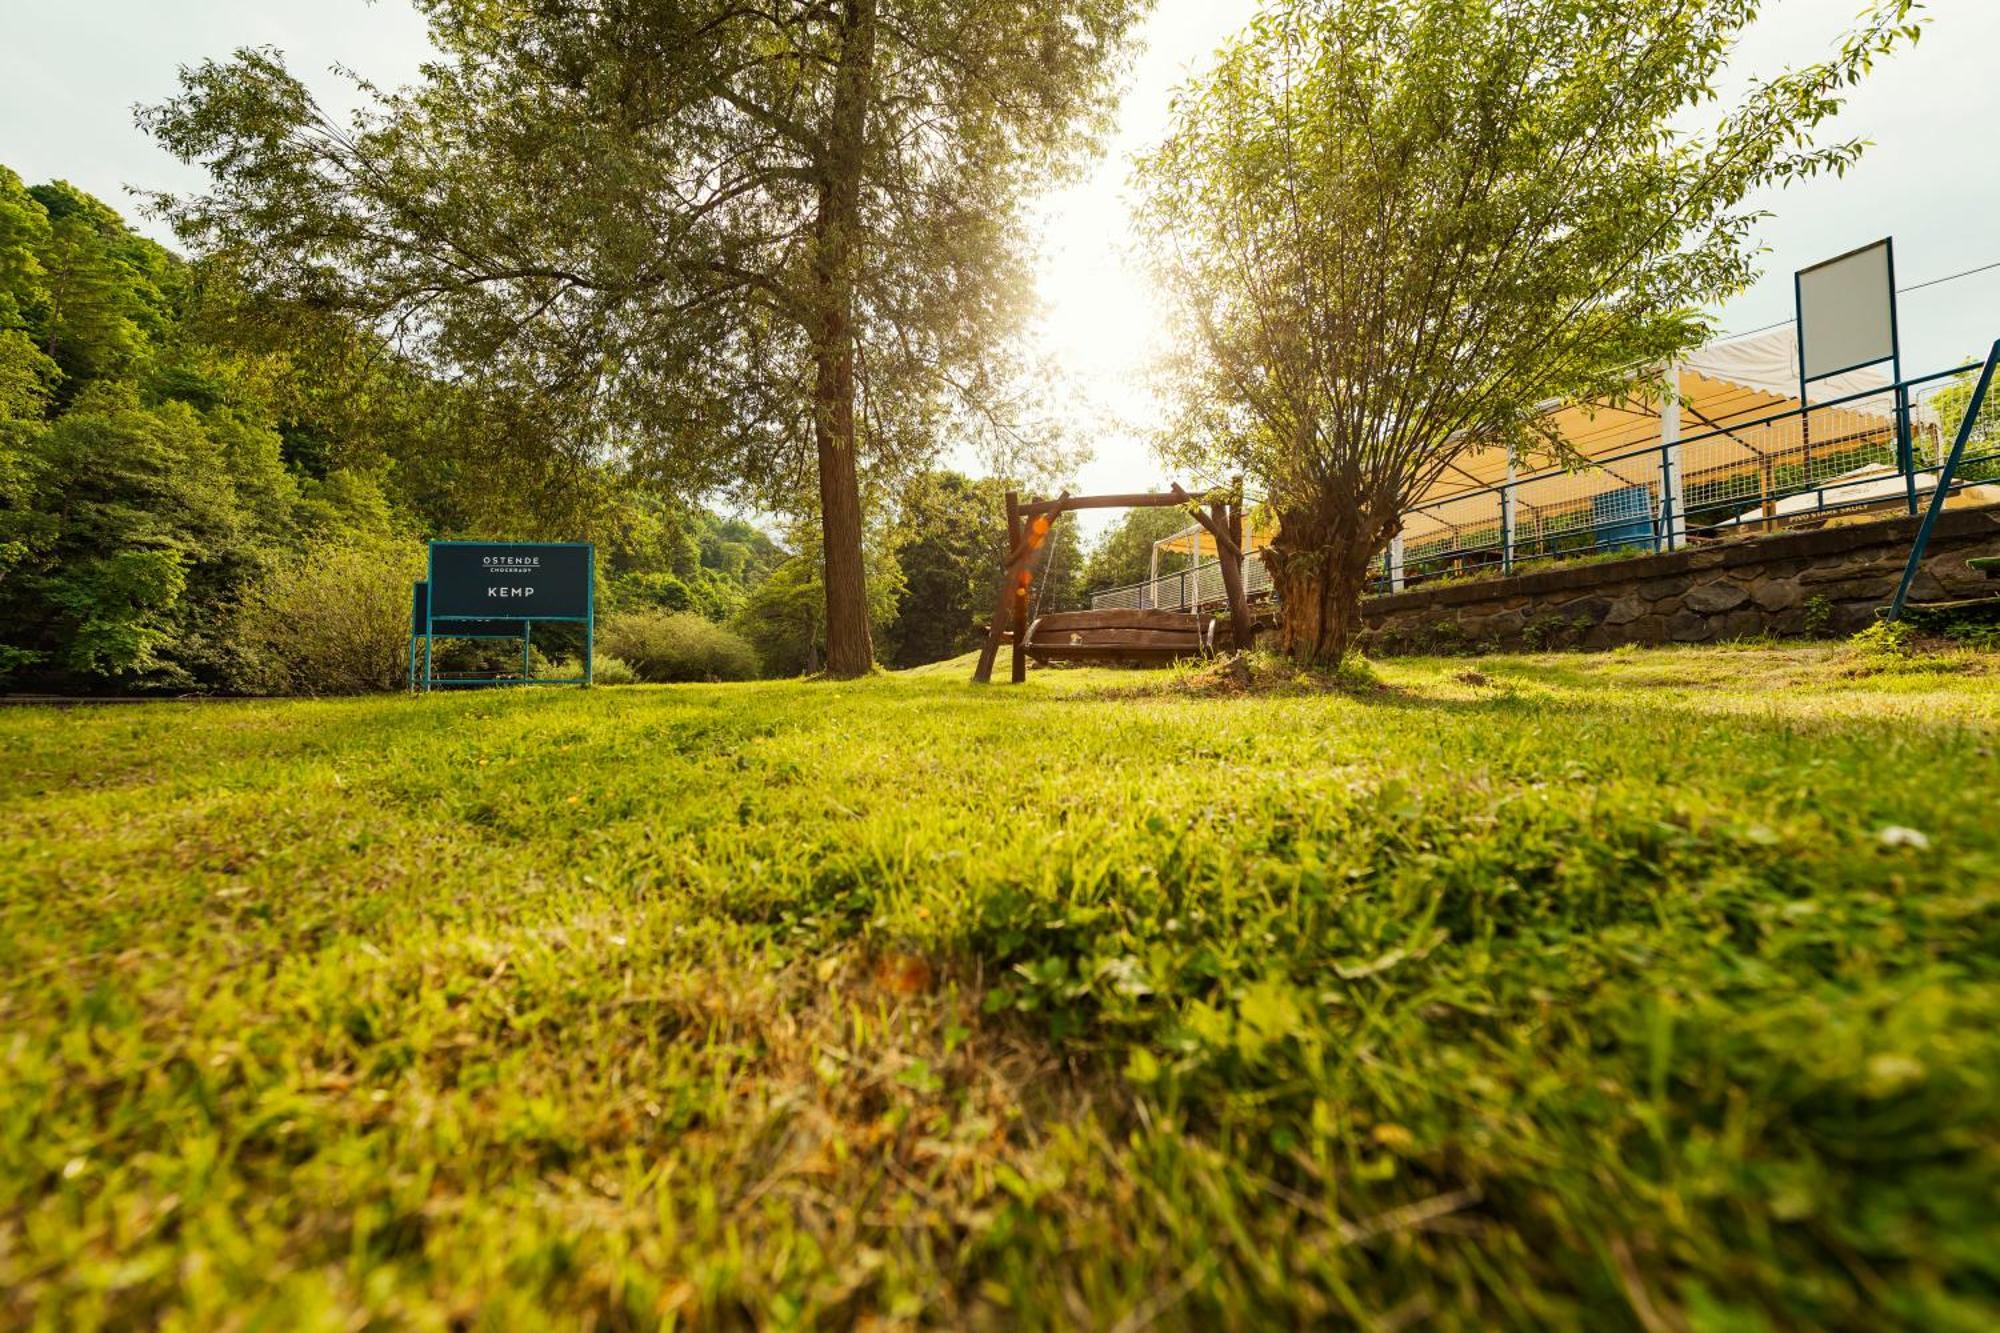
x,y
996,631
1224,523
1019,593
1245,634
1019,559
1229,555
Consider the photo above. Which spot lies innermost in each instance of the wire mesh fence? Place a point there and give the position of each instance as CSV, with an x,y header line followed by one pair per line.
x,y
1876,451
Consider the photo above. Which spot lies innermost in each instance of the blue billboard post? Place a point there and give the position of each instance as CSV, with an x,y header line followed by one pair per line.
x,y
498,590
1847,321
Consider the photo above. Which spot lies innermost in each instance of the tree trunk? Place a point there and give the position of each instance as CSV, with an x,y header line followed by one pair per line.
x,y
1319,561
849,648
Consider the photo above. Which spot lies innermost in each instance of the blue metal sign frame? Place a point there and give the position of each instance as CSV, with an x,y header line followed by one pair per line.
x,y
1904,457
487,626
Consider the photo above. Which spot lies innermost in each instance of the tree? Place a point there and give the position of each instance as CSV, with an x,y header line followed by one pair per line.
x,y
1123,555
952,550
784,616
678,557
1395,231
742,242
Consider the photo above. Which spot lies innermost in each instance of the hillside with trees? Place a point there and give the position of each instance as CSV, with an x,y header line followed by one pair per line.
x,y
779,249
196,481
189,474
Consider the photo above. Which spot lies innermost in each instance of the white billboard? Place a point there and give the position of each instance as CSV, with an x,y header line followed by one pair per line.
x,y
1847,312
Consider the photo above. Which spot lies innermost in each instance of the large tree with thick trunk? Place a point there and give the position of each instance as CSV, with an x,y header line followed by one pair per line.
x,y
757,246
1397,230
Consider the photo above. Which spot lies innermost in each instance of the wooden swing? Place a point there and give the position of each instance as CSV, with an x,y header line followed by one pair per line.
x,y
1113,634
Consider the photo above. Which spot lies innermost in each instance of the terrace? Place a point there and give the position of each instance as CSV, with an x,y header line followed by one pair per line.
x,y
1731,451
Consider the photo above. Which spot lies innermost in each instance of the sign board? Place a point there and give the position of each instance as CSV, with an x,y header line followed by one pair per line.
x,y
511,580
420,622
1847,312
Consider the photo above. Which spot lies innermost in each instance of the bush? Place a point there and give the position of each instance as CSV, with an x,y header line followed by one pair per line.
x,y
612,671
664,646
332,620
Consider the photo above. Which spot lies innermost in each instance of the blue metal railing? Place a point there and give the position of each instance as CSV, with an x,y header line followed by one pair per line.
x,y
1732,475
1859,451
1967,424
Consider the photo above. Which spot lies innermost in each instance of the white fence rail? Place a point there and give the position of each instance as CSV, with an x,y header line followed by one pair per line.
x,y
1188,590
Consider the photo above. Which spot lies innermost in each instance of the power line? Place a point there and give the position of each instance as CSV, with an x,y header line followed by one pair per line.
x,y
1900,291
1954,277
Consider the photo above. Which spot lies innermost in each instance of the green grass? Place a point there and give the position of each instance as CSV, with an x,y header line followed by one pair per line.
x,y
1655,990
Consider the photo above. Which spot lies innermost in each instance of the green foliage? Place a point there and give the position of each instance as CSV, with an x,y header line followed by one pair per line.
x,y
951,546
612,671
739,248
1123,555
97,307
1519,199
1657,990
681,558
333,619
664,647
784,617
173,445
1946,406
142,479
1885,640
140,526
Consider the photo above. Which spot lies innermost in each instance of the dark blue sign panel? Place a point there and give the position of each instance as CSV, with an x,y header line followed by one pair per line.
x,y
420,622
510,581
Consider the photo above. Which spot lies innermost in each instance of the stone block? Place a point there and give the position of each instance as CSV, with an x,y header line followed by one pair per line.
x,y
1593,609
1647,629
1955,577
1776,594
1710,598
1625,610
1925,587
1783,623
1873,588
1498,625
1836,572
1689,627
1747,623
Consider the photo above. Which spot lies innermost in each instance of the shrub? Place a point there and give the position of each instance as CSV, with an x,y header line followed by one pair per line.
x,y
664,646
1885,638
333,620
612,671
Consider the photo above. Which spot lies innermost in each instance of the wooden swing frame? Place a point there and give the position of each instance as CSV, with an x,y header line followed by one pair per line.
x,y
1028,529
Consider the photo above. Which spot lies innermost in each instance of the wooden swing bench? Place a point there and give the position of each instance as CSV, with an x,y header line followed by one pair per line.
x,y
1119,635
1112,634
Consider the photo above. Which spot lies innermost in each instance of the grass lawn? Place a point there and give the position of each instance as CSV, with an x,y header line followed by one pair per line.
x,y
1656,990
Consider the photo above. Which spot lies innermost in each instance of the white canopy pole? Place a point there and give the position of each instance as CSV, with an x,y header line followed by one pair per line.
x,y
1670,460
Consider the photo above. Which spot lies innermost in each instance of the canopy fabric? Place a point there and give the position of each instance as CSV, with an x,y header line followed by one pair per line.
x,y
1730,452
1770,362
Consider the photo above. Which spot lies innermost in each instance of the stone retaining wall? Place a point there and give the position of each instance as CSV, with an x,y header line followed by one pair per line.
x,y
1826,581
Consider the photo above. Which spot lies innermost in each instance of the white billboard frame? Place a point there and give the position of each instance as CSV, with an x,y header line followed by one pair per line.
x,y
1847,306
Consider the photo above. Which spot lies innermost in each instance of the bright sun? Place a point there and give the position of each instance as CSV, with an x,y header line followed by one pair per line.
x,y
1102,309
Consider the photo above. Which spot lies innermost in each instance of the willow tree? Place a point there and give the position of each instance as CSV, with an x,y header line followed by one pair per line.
x,y
1397,230
741,244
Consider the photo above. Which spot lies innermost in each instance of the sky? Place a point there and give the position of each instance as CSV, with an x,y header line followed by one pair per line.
x,y
71,72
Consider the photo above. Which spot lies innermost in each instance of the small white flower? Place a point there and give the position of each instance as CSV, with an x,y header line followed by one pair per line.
x,y
1895,835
